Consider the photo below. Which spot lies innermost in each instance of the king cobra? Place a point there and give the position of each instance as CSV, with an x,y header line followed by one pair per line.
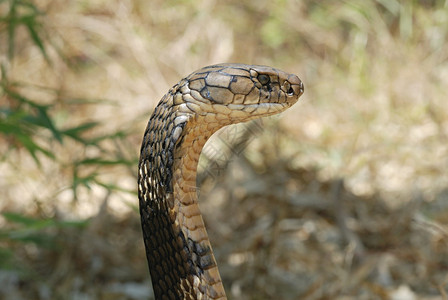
x,y
179,254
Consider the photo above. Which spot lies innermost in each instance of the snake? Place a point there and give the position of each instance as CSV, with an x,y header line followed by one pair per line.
x,y
179,254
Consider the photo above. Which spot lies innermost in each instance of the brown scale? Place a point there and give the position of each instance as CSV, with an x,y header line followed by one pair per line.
x,y
180,257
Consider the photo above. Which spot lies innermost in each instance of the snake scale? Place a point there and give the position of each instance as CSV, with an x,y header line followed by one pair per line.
x,y
179,254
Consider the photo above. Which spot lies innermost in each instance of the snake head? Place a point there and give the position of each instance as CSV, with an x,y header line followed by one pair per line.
x,y
275,86
242,92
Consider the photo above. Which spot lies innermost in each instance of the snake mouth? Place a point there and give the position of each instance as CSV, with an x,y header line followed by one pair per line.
x,y
246,112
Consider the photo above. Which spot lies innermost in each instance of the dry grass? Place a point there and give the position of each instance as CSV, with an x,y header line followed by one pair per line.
x,y
350,201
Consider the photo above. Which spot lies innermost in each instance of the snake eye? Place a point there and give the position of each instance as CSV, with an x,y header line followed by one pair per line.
x,y
263,79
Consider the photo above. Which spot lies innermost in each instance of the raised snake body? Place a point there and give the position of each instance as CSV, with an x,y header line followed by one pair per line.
x,y
180,257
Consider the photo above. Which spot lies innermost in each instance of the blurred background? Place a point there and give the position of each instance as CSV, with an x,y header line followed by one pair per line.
x,y
343,196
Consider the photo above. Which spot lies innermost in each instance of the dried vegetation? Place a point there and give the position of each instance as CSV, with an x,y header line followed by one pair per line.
x,y
344,196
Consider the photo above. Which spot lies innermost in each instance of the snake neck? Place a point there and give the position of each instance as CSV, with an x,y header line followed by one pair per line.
x,y
207,280
180,257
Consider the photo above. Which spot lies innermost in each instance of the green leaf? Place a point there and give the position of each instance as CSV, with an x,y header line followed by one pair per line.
x,y
85,181
46,122
116,135
27,221
31,229
42,240
114,187
11,24
33,148
30,24
6,258
75,132
23,13
40,223
41,119
103,162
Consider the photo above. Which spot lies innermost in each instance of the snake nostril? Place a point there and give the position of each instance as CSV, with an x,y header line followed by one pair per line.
x,y
290,91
